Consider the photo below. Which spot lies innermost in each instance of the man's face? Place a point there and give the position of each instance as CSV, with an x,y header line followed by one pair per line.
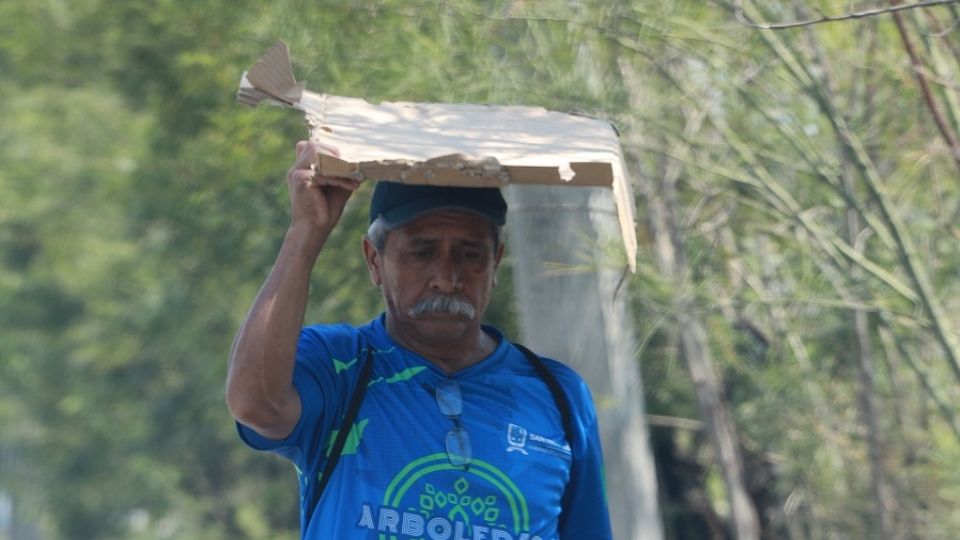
x,y
436,274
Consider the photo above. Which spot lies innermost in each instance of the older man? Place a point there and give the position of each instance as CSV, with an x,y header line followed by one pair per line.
x,y
423,423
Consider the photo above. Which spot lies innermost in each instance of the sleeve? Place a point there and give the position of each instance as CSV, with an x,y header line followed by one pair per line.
x,y
584,514
317,379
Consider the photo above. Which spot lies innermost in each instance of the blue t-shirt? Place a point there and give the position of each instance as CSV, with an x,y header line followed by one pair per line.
x,y
395,480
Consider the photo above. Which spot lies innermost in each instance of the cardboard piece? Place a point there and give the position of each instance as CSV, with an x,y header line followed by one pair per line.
x,y
450,144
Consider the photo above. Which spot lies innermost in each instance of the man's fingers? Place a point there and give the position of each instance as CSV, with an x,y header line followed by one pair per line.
x,y
345,183
317,147
308,152
327,149
309,177
301,175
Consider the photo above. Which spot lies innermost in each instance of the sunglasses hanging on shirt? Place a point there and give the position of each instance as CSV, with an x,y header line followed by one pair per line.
x,y
457,440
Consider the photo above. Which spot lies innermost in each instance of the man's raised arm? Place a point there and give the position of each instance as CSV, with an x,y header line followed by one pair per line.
x,y
260,391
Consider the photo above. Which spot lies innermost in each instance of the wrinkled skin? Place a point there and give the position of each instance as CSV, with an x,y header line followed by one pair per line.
x,y
440,253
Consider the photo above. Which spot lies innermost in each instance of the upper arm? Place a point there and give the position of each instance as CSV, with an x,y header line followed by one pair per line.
x,y
584,509
313,404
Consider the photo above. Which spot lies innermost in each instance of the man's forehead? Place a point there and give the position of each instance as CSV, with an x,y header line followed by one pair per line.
x,y
448,222
451,217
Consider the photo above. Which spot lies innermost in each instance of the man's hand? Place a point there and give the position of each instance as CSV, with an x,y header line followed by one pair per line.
x,y
316,202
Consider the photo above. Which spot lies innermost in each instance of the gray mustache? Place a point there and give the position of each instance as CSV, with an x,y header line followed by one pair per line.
x,y
444,304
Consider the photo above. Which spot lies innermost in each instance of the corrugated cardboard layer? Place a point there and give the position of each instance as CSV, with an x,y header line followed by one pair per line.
x,y
450,144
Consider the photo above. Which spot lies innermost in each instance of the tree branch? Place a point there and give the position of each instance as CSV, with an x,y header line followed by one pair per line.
x,y
948,135
738,10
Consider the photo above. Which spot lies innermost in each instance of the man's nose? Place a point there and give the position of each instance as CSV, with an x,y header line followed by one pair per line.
x,y
446,275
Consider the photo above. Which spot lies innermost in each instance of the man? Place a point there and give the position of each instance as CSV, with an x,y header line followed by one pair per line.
x,y
458,436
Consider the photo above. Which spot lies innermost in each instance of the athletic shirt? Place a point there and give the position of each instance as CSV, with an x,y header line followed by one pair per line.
x,y
394,479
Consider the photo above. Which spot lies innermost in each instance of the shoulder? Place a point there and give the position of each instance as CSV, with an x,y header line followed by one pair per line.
x,y
329,361
329,332
573,385
565,375
329,347
336,336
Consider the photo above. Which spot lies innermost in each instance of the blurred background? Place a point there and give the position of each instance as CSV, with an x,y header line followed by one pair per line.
x,y
795,309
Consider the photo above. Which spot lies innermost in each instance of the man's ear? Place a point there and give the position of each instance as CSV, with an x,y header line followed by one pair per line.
x,y
496,262
372,257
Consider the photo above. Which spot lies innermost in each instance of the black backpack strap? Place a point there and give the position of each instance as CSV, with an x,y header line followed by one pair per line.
x,y
365,373
554,385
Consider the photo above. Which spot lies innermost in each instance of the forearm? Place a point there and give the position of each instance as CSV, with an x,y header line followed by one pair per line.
x,y
260,389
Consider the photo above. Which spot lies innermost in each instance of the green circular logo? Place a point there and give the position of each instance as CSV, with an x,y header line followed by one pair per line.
x,y
437,507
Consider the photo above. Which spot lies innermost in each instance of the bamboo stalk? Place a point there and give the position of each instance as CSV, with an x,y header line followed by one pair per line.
x,y
949,136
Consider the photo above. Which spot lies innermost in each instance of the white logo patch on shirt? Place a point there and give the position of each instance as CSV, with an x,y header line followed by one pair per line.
x,y
520,439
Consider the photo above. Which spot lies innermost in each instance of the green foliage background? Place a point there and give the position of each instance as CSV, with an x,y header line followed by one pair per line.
x,y
140,209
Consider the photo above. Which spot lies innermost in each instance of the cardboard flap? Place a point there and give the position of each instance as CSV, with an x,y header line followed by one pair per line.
x,y
271,77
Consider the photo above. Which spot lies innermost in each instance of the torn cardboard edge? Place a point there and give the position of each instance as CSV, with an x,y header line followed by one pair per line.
x,y
450,144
